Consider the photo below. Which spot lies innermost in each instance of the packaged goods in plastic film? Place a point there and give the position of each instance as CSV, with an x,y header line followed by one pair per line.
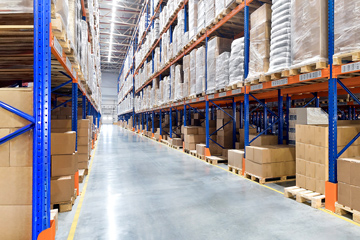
x,y
219,6
236,62
280,42
201,15
192,83
309,32
62,10
172,82
200,70
209,12
186,82
222,70
347,27
16,6
178,82
193,15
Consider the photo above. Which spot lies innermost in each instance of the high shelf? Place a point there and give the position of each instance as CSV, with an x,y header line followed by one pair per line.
x,y
53,78
327,81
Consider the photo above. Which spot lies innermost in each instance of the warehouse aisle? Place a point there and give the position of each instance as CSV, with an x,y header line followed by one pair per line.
x,y
140,189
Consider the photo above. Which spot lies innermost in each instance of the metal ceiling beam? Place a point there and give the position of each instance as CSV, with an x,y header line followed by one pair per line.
x,y
114,51
119,23
122,6
114,44
117,34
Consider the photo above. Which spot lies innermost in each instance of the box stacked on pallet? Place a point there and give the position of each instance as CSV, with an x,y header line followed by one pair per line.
x,y
186,69
193,16
312,148
222,71
236,62
209,11
193,76
225,134
179,82
200,70
235,158
349,182
64,165
259,42
192,136
270,161
84,142
346,30
309,32
216,46
16,166
280,48
252,133
201,16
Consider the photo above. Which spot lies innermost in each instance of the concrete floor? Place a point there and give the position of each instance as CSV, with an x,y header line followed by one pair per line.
x,y
140,189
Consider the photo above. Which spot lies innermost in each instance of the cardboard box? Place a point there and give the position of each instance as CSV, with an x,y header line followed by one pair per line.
x,y
15,222
83,141
177,142
310,153
220,114
249,153
63,143
63,165
61,124
214,148
82,157
83,165
190,130
310,169
300,181
194,138
226,142
269,170
202,131
62,189
83,150
300,166
16,185
320,186
320,172
264,140
276,153
21,150
5,149
235,158
83,132
84,123
300,150
311,184
200,149
190,146
355,197
19,98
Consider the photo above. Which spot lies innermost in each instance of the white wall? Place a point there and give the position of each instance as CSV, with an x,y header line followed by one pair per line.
x,y
109,97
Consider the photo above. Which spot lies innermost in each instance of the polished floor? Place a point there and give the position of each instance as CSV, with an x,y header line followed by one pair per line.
x,y
140,189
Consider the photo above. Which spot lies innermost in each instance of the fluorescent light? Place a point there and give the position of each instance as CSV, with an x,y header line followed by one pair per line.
x,y
112,26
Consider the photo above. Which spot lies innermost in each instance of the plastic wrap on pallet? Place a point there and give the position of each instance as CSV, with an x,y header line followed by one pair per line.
x,y
74,17
280,42
179,79
186,82
219,6
185,39
309,32
236,62
201,15
222,70
216,46
62,10
200,70
209,12
192,83
259,42
346,26
193,15
172,82
16,6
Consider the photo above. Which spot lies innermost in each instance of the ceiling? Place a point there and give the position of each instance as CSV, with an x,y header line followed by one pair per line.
x,y
118,19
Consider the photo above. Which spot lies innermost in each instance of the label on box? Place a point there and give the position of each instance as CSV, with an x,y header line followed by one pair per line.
x,y
279,82
211,96
350,67
292,130
308,76
256,87
201,99
236,91
58,47
223,94
292,117
68,63
187,101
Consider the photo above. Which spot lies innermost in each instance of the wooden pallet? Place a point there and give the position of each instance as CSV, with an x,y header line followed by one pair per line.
x,y
176,147
351,57
304,195
193,153
343,210
215,160
263,180
234,4
187,151
65,206
202,157
81,175
280,74
235,170
264,78
308,68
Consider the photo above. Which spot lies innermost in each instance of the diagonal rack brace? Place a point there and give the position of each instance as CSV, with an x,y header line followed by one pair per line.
x,y
264,105
264,131
17,112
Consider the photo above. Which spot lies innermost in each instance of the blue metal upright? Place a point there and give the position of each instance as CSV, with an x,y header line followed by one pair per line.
x,y
42,112
185,115
170,124
153,122
74,110
265,118
281,118
207,123
246,73
160,122
83,107
287,120
234,122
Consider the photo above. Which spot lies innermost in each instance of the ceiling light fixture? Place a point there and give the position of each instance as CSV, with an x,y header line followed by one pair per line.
x,y
112,29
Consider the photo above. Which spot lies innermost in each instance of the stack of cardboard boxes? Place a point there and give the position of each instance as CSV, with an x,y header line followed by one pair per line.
x,y
270,161
84,139
192,136
64,165
349,182
16,161
225,134
235,158
312,148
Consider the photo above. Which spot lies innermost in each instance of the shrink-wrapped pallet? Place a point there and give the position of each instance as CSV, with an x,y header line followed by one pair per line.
x,y
309,32
222,70
209,12
201,15
259,42
74,18
216,46
16,6
192,83
172,82
280,42
219,7
193,15
186,75
178,82
347,27
236,62
200,70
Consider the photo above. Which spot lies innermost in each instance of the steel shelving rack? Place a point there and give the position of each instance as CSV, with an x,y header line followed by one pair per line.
x,y
47,49
329,82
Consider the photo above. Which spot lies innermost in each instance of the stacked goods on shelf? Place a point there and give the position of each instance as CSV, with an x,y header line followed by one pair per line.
x,y
252,133
305,116
309,33
186,69
193,17
270,161
280,42
64,113
179,81
200,149
263,140
259,42
209,11
84,140
192,136
216,46
225,134
193,76
222,71
16,166
312,148
200,70
64,165
201,16
346,30
236,62
348,182
235,158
